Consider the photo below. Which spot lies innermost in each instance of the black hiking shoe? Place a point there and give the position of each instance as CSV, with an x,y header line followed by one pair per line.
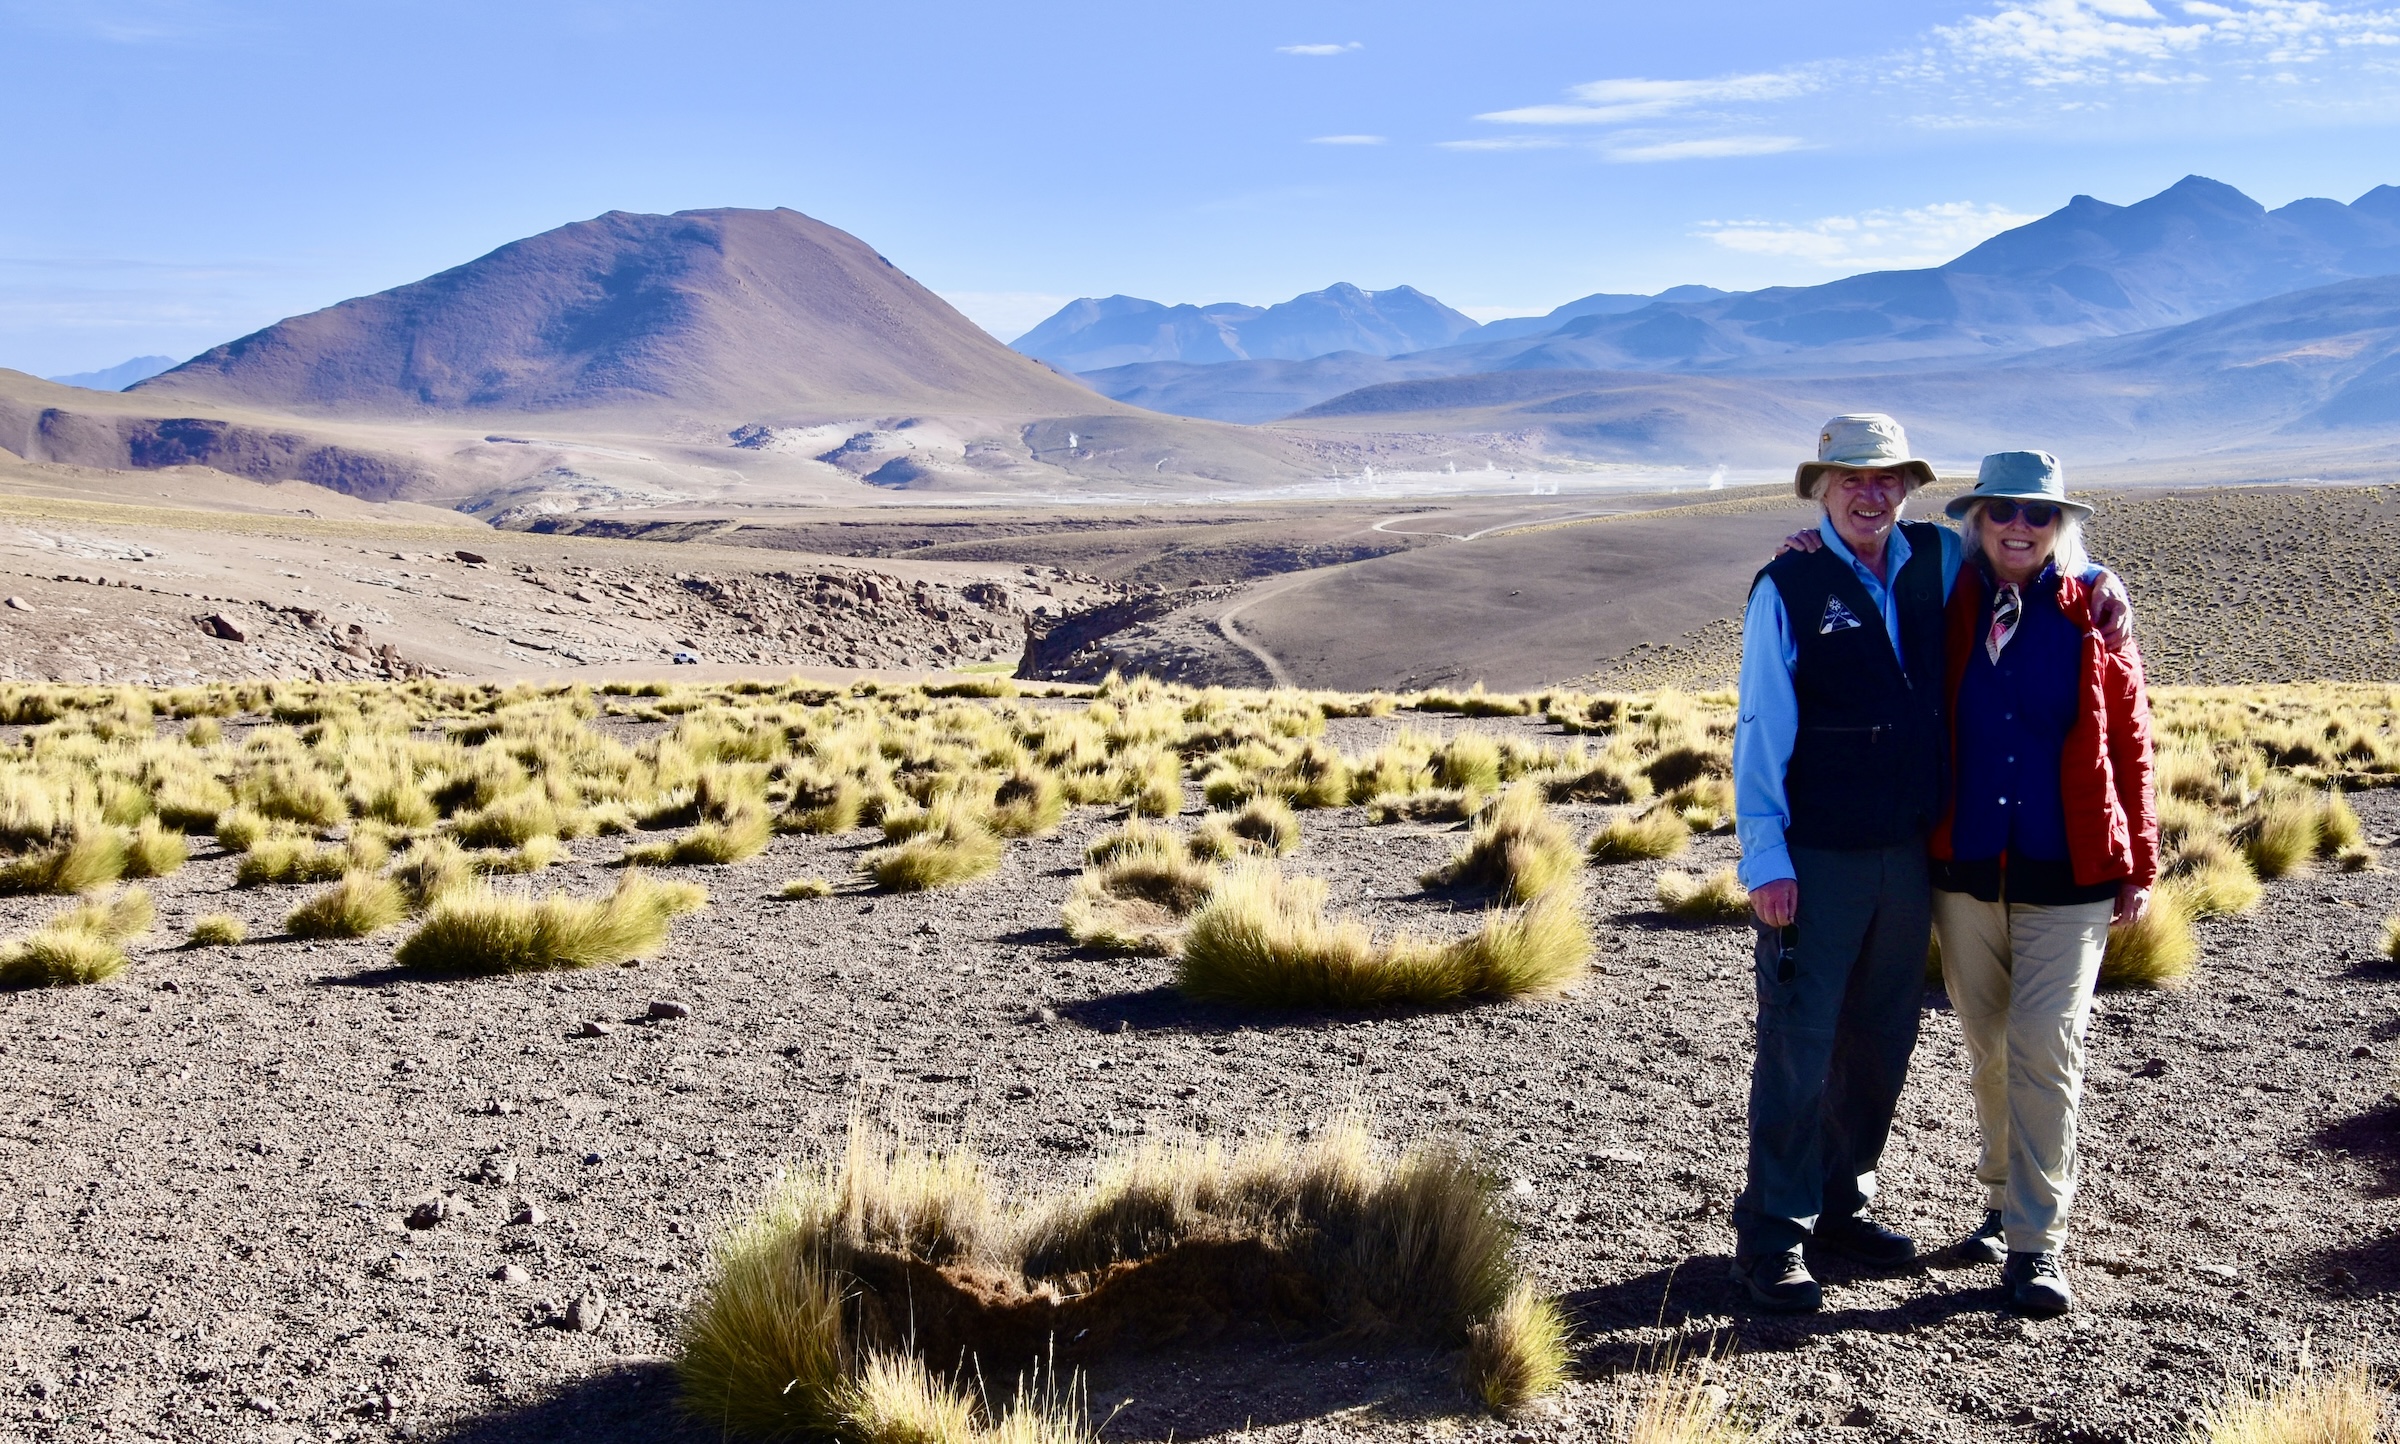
x,y
1779,1282
2035,1285
1862,1240
1986,1245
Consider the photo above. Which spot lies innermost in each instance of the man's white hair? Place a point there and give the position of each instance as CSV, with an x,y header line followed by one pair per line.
x,y
2066,548
1817,488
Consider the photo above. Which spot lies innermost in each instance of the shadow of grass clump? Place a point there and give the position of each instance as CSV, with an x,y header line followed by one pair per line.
x,y
829,1311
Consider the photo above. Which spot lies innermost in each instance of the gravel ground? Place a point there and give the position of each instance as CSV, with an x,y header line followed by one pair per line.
x,y
211,1164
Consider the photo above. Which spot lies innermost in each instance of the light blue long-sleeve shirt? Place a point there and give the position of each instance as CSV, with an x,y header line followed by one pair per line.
x,y
1770,715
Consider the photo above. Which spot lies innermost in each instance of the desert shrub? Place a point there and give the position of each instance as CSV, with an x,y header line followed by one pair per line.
x,y
2357,857
1516,850
360,905
1655,834
1469,762
821,1310
479,931
1441,804
1705,804
84,944
2158,950
800,888
217,930
1266,826
2313,1406
2281,833
239,829
540,851
953,849
400,802
283,857
88,858
1137,902
154,851
191,802
1027,803
825,805
1263,939
1717,898
714,844
1520,1352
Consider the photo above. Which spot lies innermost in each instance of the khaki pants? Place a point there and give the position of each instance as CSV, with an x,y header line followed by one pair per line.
x,y
2020,980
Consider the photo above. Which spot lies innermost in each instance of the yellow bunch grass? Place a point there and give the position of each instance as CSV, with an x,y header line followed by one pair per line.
x,y
360,905
955,848
1137,902
2158,950
1716,898
1518,849
480,931
2314,1406
217,930
1648,836
84,944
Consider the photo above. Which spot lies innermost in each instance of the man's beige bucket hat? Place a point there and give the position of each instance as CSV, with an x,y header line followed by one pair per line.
x,y
1871,441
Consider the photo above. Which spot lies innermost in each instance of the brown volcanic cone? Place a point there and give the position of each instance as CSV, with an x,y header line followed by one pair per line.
x,y
765,315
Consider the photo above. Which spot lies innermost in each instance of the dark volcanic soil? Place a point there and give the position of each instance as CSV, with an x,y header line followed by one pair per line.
x,y
209,1163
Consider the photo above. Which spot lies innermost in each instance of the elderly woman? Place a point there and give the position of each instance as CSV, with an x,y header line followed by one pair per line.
x,y
2051,833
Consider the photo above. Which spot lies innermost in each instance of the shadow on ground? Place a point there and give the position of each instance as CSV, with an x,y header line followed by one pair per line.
x,y
1159,1395
1698,1296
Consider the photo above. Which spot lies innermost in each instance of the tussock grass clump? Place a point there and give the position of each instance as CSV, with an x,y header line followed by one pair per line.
x,y
1265,827
1153,783
1517,850
738,838
1137,902
800,889
1520,1352
1680,1403
1135,839
1653,836
1441,804
822,1310
1606,778
2314,1406
2281,834
1028,803
2214,876
1716,898
285,857
2391,939
1685,763
84,944
360,905
2157,951
1469,762
154,850
431,868
825,805
217,930
1263,939
89,858
479,931
953,849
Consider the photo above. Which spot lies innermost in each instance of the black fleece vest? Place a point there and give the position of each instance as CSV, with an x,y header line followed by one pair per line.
x,y
1872,757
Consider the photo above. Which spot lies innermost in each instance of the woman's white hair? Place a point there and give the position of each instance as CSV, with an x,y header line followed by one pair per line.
x,y
2066,549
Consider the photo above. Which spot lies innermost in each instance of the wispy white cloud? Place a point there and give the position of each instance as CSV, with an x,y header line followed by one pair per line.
x,y
1347,139
1880,239
1611,102
1713,147
1503,142
1006,314
1340,49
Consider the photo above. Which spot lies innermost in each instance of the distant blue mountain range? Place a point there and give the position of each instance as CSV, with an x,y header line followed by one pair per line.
x,y
1094,334
2087,271
119,376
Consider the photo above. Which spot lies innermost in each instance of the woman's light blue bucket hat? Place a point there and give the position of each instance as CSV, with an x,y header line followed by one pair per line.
x,y
2018,476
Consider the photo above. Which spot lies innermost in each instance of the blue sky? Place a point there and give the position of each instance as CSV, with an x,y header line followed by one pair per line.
x,y
180,172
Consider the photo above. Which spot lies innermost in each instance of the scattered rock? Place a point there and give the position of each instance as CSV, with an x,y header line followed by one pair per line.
x,y
217,624
2155,1068
511,1274
429,1212
2218,1273
597,1030
2342,1279
2364,1050
584,1315
1020,1091
662,1008
19,604
1522,1188
591,1158
528,1215
497,1172
473,559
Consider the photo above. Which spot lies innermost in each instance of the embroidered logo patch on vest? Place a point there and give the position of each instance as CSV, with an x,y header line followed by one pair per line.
x,y
1837,618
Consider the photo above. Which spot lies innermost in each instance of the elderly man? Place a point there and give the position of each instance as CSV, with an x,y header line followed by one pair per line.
x,y
1840,758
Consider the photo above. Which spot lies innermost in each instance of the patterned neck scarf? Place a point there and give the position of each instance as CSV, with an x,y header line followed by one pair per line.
x,y
2008,607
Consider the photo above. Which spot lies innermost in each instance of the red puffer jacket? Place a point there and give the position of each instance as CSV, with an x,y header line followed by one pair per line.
x,y
2104,773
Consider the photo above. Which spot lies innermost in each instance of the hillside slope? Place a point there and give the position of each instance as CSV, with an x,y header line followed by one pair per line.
x,y
764,316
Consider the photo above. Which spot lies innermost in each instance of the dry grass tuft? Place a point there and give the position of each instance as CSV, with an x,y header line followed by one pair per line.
x,y
1717,898
822,1309
1263,939
1653,836
1517,850
737,838
479,931
1028,803
217,930
953,849
2156,952
1440,804
2391,939
1679,1403
154,850
1137,902
800,889
92,857
2281,834
2332,1406
360,905
84,944
1519,1353
1265,827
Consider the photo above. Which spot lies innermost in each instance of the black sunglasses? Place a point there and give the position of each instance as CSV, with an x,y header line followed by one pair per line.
x,y
2038,514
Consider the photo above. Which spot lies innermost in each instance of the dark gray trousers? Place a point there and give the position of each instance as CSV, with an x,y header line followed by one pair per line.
x,y
1837,1020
